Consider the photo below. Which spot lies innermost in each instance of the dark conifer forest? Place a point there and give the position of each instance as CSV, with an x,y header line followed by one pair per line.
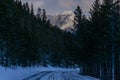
x,y
29,39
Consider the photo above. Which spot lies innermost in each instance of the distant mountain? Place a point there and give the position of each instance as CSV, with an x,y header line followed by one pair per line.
x,y
63,20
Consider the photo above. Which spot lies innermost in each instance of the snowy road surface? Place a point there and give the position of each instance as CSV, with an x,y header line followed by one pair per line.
x,y
58,75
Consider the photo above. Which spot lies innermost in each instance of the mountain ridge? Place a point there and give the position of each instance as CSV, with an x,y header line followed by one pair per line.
x,y
63,20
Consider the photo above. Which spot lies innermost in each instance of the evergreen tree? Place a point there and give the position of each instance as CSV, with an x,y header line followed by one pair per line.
x,y
44,17
39,13
78,18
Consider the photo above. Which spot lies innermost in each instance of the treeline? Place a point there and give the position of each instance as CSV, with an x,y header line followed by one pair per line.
x,y
98,40
27,39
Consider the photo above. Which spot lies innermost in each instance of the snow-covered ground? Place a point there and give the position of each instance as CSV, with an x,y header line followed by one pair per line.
x,y
41,73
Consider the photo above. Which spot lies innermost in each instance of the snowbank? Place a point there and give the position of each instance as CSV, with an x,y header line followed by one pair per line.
x,y
20,73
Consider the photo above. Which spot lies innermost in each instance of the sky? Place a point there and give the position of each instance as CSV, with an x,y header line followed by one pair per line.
x,y
57,6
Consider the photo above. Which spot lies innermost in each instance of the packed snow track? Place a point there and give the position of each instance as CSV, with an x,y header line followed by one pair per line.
x,y
58,75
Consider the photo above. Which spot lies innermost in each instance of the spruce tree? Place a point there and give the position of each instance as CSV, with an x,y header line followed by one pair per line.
x,y
44,17
39,13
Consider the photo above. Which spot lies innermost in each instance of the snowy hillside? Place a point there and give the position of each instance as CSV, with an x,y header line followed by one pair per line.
x,y
63,20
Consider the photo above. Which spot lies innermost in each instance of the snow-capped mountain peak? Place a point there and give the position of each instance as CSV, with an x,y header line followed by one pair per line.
x,y
63,20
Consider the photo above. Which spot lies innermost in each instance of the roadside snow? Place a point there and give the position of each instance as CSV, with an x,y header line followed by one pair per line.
x,y
43,73
20,73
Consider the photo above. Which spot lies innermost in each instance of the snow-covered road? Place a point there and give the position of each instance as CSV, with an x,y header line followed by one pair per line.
x,y
42,73
58,75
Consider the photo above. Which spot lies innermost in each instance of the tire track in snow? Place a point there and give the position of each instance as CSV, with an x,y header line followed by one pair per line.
x,y
59,75
37,76
44,77
47,76
67,76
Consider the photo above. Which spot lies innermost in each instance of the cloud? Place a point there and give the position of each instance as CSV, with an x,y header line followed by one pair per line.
x,y
72,4
56,6
39,4
67,3
86,5
36,3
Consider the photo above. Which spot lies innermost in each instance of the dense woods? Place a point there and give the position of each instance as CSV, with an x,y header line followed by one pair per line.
x,y
98,38
27,39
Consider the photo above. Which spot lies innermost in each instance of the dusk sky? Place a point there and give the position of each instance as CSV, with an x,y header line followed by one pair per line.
x,y
57,6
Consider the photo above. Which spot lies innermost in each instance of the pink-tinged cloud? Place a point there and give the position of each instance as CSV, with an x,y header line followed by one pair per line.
x,y
56,6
